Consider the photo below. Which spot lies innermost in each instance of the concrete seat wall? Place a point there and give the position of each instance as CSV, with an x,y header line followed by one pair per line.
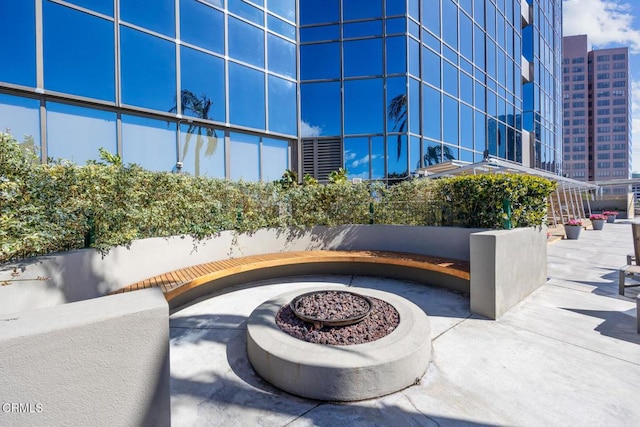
x,y
103,361
499,256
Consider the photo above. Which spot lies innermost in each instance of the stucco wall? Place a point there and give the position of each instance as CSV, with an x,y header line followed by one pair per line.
x,y
98,362
84,274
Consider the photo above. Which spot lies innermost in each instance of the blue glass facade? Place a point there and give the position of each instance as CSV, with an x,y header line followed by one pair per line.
x,y
206,85
240,88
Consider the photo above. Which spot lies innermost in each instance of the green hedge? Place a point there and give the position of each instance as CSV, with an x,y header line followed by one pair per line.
x,y
62,206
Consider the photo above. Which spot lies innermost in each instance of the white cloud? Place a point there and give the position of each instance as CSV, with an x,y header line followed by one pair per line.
x,y
308,130
364,160
604,21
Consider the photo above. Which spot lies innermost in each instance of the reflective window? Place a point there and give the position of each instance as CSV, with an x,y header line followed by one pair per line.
x,y
246,97
362,29
450,78
431,67
450,18
320,11
397,157
18,24
202,150
435,153
78,65
395,7
282,56
320,109
478,11
414,154
202,25
356,157
450,120
246,42
480,96
246,11
274,158
148,70
414,57
479,131
104,7
397,104
320,61
396,55
414,9
377,157
466,36
76,133
363,106
396,25
244,157
281,27
155,15
492,136
414,106
286,8
20,117
363,58
361,9
282,106
318,34
431,112
466,88
149,143
257,2
202,85
491,19
431,15
479,47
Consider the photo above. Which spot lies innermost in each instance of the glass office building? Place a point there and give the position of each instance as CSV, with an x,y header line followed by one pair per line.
x,y
248,88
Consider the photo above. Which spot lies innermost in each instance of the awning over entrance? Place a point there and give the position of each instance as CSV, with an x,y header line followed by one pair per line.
x,y
564,204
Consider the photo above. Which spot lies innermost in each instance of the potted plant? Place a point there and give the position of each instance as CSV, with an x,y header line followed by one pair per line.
x,y
597,221
572,228
611,216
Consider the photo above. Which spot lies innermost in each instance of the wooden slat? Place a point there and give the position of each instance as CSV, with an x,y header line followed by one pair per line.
x,y
196,275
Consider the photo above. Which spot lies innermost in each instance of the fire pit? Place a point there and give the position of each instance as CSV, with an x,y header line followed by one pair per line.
x,y
339,371
331,308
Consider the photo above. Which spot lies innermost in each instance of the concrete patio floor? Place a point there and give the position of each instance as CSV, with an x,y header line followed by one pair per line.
x,y
567,355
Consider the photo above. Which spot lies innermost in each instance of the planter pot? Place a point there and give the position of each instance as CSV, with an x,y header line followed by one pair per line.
x,y
611,219
572,231
597,223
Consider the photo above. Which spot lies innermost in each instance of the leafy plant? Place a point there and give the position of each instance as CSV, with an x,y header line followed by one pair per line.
x,y
338,176
61,206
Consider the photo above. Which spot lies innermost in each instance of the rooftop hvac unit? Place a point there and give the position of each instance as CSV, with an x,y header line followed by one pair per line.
x,y
356,180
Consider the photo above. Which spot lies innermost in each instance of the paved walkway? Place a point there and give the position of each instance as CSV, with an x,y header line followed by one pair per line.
x,y
568,355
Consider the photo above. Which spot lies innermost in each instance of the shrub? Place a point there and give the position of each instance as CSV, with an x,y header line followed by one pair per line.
x,y
62,206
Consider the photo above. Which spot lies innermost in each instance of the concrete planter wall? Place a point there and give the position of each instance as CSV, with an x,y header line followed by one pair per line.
x,y
98,362
84,274
506,266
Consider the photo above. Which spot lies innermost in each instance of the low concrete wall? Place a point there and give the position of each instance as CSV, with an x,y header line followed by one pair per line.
x,y
506,266
99,362
83,274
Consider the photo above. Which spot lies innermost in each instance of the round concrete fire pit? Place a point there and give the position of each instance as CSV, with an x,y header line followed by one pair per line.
x,y
340,373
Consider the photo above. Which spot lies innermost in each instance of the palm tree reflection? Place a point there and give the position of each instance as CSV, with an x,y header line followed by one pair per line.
x,y
397,112
200,107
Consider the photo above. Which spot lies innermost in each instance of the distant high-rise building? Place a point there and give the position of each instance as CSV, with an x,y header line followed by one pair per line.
x,y
597,112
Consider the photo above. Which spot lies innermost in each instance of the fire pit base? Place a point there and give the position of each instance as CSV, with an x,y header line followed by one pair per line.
x,y
340,373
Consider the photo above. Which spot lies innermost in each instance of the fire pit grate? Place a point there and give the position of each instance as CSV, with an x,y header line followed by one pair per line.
x,y
331,308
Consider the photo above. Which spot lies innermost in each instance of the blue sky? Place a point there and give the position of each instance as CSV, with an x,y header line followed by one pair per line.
x,y
611,23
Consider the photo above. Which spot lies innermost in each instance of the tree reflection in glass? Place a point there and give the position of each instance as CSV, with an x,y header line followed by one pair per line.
x,y
198,106
397,111
436,154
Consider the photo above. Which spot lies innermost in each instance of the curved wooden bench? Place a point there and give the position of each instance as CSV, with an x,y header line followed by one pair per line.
x,y
185,285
